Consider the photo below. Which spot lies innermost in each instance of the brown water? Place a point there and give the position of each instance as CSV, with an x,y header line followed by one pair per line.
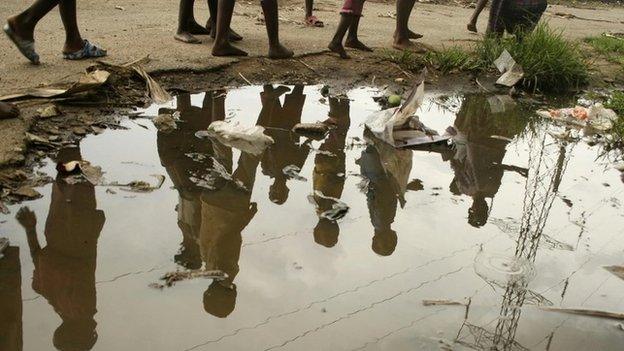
x,y
506,226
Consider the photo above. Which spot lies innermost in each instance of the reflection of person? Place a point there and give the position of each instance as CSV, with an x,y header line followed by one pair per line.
x,y
65,269
10,300
478,160
329,170
382,201
174,149
287,150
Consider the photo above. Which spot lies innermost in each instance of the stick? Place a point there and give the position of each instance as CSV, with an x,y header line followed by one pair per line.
x,y
245,79
309,67
584,312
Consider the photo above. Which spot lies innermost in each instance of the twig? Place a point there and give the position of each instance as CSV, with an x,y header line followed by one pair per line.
x,y
309,67
585,312
245,79
409,75
481,85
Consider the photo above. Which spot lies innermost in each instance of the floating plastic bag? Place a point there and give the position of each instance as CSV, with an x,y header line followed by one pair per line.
x,y
251,140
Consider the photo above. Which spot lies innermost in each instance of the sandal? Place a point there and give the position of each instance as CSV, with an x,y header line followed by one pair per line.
x,y
26,47
313,21
88,51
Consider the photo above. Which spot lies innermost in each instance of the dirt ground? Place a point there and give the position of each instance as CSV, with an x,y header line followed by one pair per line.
x,y
138,28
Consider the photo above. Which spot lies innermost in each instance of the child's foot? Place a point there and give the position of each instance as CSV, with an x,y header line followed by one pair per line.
x,y
195,28
313,21
408,45
232,36
227,50
8,111
339,49
414,35
358,45
472,27
186,37
280,52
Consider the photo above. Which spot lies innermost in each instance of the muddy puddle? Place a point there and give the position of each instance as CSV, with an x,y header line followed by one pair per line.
x,y
446,248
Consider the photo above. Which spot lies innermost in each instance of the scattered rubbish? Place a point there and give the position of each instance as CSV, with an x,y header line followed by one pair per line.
x,y
88,81
120,8
500,103
48,112
618,271
400,127
165,123
40,141
4,243
139,186
173,277
315,131
3,208
619,166
338,210
111,191
394,101
251,140
442,303
511,70
500,137
92,174
585,312
292,172
596,117
154,90
27,192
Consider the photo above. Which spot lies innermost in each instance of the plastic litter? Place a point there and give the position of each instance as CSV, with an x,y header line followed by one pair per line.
x,y
596,117
511,70
165,122
251,140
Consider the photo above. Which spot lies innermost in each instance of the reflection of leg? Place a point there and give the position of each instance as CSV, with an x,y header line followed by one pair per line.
x,y
246,170
276,49
28,220
10,301
183,102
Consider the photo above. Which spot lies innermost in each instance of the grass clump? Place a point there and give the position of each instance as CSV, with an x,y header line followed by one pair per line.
x,y
616,103
609,46
407,60
451,59
550,62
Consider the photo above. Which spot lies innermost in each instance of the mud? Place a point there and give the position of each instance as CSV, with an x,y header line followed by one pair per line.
x,y
501,224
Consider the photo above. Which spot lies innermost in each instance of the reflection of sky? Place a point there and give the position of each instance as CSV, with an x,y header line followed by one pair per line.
x,y
434,239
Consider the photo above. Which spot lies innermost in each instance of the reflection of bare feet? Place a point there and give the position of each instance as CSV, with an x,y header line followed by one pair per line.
x,y
414,35
356,44
472,27
26,218
227,49
195,28
186,37
280,52
408,45
339,49
8,110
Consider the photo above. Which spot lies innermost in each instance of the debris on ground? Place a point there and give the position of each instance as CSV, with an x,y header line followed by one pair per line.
x,y
251,140
78,170
315,131
165,122
511,71
40,141
618,271
400,127
4,243
173,277
292,172
337,211
442,303
585,312
48,112
140,186
27,192
596,117
89,81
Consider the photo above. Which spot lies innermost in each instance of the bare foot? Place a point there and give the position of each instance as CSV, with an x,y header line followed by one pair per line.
x,y
472,27
358,45
339,49
195,28
280,52
227,49
414,35
186,37
233,36
408,45
8,110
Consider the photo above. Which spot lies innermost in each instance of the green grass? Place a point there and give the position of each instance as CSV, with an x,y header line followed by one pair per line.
x,y
610,47
616,103
451,59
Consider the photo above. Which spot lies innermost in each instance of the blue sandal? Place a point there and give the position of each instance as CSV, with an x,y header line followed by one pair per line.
x,y
88,51
26,47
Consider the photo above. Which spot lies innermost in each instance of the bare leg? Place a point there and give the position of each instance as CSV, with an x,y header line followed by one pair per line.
x,y
402,32
352,38
73,40
336,44
185,16
222,45
24,24
211,25
472,25
309,6
276,49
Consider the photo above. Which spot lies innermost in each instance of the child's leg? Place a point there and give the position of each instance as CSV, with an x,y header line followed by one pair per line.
x,y
222,45
352,37
346,20
309,6
402,34
73,40
472,25
276,49
23,25
211,25
185,18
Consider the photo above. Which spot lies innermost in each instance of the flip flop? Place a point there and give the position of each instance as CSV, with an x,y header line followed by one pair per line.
x,y
26,47
88,51
313,21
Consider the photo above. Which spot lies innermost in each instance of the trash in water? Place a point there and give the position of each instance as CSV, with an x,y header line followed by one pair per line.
x,y
292,172
172,277
585,312
26,192
337,211
4,243
93,174
315,131
251,140
442,303
596,116
394,101
165,122
511,70
500,103
618,271
139,186
48,112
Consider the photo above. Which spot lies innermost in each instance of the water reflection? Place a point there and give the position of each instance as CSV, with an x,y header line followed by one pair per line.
x,y
10,300
65,268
